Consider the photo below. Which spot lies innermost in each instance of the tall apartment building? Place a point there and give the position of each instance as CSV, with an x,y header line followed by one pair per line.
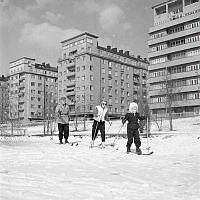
x,y
33,90
4,99
174,55
88,73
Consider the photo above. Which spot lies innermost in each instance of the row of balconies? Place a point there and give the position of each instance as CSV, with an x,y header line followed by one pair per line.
x,y
174,76
169,37
187,103
169,50
186,88
168,63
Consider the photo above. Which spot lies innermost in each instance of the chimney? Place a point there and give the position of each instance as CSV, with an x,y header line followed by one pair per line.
x,y
108,48
114,50
126,53
121,52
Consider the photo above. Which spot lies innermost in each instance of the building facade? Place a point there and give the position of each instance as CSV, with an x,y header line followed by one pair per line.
x,y
88,73
33,90
4,99
174,56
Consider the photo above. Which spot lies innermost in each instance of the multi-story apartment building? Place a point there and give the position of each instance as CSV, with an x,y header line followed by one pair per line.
x,y
88,73
4,99
33,90
174,56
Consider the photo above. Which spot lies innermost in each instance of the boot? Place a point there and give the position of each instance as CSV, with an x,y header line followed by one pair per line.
x,y
66,141
103,144
61,142
92,143
128,150
138,151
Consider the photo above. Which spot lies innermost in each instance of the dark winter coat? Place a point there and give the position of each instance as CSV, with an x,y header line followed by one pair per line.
x,y
133,120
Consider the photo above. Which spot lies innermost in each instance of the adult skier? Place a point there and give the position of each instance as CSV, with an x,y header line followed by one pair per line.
x,y
132,127
100,116
62,112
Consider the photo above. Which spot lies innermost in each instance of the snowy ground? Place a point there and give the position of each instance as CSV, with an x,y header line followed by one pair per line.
x,y
37,168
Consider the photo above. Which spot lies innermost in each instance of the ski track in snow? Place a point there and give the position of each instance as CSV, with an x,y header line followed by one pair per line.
x,y
38,168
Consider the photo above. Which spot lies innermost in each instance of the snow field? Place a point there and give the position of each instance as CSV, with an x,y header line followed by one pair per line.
x,y
39,168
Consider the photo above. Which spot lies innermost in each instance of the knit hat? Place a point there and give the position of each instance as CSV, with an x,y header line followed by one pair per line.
x,y
133,107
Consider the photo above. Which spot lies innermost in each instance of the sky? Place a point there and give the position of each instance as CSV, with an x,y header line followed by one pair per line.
x,y
35,28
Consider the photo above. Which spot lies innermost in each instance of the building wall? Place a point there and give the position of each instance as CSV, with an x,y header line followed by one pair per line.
x,y
4,98
174,52
33,90
99,73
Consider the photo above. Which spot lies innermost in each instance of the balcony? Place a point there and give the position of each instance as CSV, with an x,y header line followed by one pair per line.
x,y
70,83
70,74
182,61
188,102
21,94
21,85
174,49
172,36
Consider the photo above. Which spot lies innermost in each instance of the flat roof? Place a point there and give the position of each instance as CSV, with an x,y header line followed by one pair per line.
x,y
122,54
22,58
46,67
85,33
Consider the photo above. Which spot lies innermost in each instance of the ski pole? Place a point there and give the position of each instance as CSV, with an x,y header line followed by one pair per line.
x,y
110,124
113,144
147,135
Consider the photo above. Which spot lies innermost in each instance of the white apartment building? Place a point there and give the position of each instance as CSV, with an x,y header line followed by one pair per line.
x,y
174,56
88,72
33,90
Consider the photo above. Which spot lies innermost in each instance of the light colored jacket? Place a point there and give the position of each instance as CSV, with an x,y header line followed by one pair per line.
x,y
62,112
100,114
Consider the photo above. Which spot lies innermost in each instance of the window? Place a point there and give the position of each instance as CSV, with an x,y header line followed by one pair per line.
x,y
91,87
83,78
91,77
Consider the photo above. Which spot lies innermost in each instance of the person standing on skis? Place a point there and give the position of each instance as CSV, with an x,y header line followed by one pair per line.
x,y
100,116
62,112
132,127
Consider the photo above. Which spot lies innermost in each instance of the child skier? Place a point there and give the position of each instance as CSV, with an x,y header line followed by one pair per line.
x,y
100,116
132,127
